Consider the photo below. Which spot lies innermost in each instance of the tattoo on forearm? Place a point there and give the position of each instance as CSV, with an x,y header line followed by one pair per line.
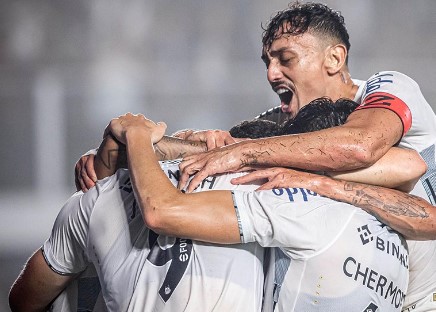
x,y
399,204
348,186
252,157
173,140
159,153
172,148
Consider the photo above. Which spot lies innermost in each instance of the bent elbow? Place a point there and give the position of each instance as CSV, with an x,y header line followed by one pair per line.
x,y
151,213
157,215
364,157
421,168
415,172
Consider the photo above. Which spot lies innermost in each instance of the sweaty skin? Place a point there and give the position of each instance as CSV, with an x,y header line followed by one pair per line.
x,y
300,69
366,136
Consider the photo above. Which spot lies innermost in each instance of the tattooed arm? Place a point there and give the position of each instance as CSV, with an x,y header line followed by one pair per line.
x,y
410,215
112,155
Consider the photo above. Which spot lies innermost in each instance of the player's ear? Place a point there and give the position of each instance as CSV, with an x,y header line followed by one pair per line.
x,y
335,57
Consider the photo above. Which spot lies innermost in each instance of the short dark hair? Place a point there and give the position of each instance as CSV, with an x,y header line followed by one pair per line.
x,y
319,114
299,18
255,129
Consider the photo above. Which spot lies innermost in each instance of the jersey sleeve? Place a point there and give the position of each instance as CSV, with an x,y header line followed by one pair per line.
x,y
394,91
64,251
294,219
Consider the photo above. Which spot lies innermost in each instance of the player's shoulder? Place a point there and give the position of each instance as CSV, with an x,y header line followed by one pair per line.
x,y
86,201
390,76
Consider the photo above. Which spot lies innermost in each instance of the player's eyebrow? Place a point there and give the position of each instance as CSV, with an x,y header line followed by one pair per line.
x,y
266,54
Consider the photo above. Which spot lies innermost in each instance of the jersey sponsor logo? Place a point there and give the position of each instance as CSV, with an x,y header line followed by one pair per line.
x,y
388,247
374,280
294,193
177,256
371,308
366,235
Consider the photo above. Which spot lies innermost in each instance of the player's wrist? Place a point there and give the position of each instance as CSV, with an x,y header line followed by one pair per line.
x,y
318,183
136,134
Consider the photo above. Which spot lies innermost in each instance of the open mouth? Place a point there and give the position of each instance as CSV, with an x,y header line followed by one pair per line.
x,y
285,96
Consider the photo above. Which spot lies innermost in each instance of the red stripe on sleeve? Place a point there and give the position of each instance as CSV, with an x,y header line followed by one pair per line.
x,y
391,102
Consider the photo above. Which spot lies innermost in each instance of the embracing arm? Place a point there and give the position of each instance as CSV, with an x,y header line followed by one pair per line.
x,y
399,169
208,216
361,141
410,215
37,286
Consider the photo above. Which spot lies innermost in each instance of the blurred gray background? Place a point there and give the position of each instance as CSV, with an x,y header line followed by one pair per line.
x,y
68,67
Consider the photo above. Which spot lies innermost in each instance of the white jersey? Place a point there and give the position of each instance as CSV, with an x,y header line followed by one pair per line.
x,y
336,257
142,271
399,93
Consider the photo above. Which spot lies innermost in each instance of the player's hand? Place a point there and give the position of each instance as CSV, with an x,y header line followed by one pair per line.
x,y
84,173
183,134
225,159
279,178
119,127
212,138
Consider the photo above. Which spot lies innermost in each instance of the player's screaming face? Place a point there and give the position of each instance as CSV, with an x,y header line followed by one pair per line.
x,y
295,69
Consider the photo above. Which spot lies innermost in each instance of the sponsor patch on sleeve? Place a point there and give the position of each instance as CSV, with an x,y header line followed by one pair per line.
x,y
391,102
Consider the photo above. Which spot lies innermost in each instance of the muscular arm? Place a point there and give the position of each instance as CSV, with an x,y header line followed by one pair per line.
x,y
366,136
168,211
410,215
37,286
165,209
360,142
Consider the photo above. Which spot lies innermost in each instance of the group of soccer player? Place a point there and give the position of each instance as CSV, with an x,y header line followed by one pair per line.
x,y
322,222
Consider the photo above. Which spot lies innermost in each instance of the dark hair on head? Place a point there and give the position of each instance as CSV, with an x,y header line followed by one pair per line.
x,y
299,18
319,114
255,129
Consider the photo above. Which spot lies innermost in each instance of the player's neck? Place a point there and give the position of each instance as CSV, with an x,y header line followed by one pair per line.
x,y
343,87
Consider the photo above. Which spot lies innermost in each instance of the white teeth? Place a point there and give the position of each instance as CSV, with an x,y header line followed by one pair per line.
x,y
281,91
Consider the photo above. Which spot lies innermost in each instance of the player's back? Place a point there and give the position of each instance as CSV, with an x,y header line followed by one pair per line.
x,y
142,271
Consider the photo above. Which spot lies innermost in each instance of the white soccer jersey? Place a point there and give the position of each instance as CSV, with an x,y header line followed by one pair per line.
x,y
399,93
341,258
142,271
